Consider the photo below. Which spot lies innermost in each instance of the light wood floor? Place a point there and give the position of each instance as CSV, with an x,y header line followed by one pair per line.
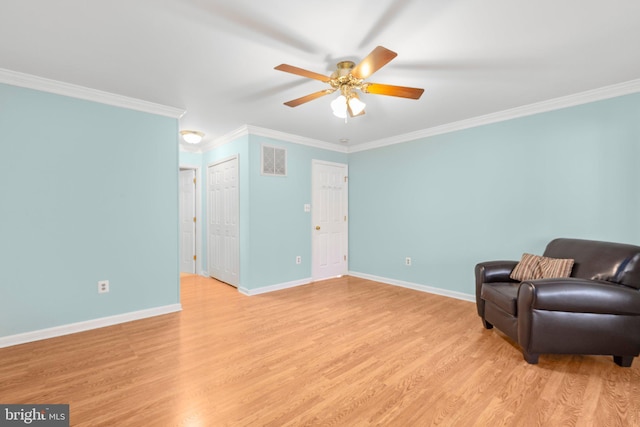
x,y
344,352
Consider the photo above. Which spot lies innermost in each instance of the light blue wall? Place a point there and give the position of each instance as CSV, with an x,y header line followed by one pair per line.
x,y
452,200
190,159
280,229
88,192
274,228
495,191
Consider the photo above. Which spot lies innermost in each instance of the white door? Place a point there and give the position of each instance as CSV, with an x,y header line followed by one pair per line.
x,y
223,221
187,221
329,219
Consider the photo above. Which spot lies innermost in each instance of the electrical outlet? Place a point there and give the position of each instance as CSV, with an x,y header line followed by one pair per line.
x,y
103,286
298,259
407,261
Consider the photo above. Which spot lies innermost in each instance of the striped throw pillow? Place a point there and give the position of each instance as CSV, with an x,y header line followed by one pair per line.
x,y
555,267
527,269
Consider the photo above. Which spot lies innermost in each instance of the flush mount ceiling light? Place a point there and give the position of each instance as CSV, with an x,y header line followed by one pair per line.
x,y
191,136
350,77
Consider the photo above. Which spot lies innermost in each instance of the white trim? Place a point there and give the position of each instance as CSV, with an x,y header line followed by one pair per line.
x,y
273,134
73,328
67,89
273,288
224,160
593,95
39,83
599,94
296,139
225,139
415,286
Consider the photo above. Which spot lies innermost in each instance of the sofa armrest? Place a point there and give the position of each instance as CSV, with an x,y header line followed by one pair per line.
x,y
488,272
494,271
579,296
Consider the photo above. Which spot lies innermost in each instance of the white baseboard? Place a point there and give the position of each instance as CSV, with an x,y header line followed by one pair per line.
x,y
416,286
394,282
273,288
73,328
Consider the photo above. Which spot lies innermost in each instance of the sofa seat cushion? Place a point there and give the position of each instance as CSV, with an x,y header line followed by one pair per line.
x,y
503,294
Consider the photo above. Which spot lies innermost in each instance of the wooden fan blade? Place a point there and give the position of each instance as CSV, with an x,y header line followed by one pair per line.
x,y
377,59
307,98
390,90
302,72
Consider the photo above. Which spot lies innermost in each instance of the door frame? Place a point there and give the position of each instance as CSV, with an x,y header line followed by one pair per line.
x,y
199,216
314,162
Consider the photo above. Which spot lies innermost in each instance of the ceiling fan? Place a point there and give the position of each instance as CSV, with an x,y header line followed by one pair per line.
x,y
348,78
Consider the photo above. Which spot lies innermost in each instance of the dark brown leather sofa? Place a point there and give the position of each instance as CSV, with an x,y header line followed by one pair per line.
x,y
595,311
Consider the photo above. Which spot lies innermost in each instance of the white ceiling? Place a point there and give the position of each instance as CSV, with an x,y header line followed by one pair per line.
x,y
215,58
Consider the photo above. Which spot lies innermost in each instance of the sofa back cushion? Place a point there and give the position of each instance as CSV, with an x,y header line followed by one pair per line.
x,y
613,262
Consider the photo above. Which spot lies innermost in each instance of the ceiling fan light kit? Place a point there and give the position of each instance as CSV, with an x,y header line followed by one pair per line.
x,y
339,107
349,78
355,105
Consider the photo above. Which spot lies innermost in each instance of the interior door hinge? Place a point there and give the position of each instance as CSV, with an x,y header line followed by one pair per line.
x,y
194,180
194,257
346,178
345,257
345,217
194,219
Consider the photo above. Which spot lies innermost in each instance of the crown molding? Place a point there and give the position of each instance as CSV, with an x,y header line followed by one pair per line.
x,y
269,133
296,139
586,97
607,92
67,89
224,139
60,88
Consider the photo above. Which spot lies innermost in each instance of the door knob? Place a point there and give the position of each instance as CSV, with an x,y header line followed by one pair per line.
x,y
317,227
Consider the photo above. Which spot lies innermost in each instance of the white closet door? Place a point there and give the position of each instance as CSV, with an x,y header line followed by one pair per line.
x,y
223,221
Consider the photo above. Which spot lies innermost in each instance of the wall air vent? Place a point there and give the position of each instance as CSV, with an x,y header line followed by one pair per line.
x,y
274,161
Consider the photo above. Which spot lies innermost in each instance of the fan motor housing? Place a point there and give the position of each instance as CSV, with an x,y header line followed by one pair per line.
x,y
344,68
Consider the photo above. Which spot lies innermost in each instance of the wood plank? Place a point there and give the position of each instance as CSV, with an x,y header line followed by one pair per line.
x,y
342,352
